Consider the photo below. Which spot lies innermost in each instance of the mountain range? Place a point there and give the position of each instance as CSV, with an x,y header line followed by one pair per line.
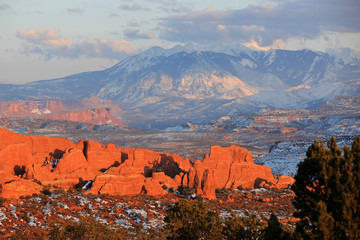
x,y
160,87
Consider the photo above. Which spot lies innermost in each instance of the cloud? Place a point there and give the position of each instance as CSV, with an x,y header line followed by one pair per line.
x,y
175,9
133,23
102,47
47,37
50,43
134,7
264,23
75,10
172,6
132,33
114,14
5,6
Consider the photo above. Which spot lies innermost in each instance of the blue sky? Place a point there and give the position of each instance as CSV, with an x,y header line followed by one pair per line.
x,y
44,39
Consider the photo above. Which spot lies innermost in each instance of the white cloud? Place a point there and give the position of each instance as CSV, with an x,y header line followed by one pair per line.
x,y
132,33
49,42
46,37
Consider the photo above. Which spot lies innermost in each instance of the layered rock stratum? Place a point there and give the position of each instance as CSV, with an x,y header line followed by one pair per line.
x,y
28,163
91,110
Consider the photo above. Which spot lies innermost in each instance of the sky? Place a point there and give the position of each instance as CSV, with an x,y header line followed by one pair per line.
x,y
45,39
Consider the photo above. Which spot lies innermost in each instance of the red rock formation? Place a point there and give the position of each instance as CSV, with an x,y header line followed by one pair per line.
x,y
153,187
56,106
118,184
165,180
92,110
283,182
37,145
93,116
72,160
209,184
123,171
29,108
14,157
279,182
19,187
232,167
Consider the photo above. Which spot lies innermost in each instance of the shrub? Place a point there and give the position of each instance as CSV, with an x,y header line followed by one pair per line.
x,y
86,228
189,220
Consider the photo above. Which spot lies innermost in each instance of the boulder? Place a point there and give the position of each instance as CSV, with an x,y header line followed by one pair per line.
x,y
118,184
72,160
283,182
153,187
166,180
20,187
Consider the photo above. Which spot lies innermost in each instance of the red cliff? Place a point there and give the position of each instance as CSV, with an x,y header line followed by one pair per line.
x,y
92,110
121,171
94,116
30,108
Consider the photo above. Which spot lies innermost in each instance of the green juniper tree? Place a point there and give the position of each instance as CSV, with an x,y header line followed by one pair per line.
x,y
327,192
275,230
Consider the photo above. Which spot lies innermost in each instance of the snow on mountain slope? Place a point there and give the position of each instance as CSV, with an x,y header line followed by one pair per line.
x,y
286,155
166,85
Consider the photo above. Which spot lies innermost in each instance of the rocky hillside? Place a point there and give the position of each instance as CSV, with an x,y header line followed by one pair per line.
x,y
25,160
34,216
160,88
340,116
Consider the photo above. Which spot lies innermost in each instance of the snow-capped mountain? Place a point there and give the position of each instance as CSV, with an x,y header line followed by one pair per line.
x,y
166,87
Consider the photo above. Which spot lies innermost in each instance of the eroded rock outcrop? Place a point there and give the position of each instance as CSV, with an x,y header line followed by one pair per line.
x,y
30,108
19,187
230,167
121,171
93,116
91,110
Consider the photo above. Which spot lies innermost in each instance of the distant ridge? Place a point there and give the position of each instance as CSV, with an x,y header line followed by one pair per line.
x,y
166,87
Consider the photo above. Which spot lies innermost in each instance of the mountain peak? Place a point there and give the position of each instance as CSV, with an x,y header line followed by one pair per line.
x,y
189,84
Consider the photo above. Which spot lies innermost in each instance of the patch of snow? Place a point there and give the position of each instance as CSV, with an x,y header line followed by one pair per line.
x,y
123,223
247,63
62,205
36,199
35,111
46,210
13,211
2,217
33,222
301,86
286,155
